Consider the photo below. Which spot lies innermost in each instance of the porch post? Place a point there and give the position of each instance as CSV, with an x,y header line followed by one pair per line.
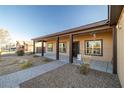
x,y
33,46
71,48
57,48
42,48
114,33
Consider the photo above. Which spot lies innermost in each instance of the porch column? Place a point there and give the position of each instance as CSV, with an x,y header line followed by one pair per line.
x,y
114,34
42,48
33,46
57,48
71,48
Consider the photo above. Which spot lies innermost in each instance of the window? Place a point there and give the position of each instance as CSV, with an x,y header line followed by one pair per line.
x,y
93,48
50,47
62,47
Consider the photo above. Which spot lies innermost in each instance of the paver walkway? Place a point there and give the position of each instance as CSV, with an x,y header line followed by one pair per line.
x,y
14,79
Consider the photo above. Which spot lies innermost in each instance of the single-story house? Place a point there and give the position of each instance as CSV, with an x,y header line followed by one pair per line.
x,y
99,40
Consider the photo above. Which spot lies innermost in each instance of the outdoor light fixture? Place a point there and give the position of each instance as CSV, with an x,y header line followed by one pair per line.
x,y
119,26
94,36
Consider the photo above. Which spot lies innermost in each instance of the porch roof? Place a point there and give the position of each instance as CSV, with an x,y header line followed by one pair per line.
x,y
75,30
113,16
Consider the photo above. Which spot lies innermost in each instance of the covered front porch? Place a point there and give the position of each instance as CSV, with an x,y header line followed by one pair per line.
x,y
79,42
97,65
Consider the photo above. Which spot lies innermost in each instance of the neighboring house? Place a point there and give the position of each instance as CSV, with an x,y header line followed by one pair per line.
x,y
9,47
27,45
98,40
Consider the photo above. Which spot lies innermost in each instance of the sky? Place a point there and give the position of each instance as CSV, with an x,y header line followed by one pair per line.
x,y
27,22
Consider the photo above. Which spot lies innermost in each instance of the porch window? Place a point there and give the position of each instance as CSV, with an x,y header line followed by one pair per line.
x,y
94,47
50,47
62,47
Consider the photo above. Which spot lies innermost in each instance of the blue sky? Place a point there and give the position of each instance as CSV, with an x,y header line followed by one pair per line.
x,y
26,22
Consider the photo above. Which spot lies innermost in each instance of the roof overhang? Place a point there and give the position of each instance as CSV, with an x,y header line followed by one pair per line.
x,y
75,30
114,12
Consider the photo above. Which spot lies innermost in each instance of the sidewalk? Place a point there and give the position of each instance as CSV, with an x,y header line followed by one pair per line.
x,y
14,79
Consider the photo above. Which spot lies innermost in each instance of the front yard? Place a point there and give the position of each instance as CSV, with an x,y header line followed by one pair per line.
x,y
10,64
68,76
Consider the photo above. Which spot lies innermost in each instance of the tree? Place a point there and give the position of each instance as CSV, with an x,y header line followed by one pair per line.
x,y
4,38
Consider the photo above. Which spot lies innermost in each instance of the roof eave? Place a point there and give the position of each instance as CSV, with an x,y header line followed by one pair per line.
x,y
114,13
81,28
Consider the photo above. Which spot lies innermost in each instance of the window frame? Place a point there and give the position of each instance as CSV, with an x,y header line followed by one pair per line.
x,y
65,47
51,48
101,40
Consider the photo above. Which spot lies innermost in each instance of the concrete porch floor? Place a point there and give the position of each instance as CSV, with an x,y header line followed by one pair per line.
x,y
97,65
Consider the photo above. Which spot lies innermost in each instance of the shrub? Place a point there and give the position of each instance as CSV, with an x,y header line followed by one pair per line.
x,y
47,59
36,56
25,64
0,55
84,68
20,52
0,60
30,53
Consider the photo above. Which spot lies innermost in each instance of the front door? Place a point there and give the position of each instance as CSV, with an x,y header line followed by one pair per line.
x,y
76,47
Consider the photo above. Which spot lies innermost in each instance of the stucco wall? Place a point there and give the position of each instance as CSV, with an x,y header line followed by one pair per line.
x,y
120,48
107,44
62,39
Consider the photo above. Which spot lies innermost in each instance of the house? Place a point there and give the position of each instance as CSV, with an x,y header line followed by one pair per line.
x,y
27,45
102,41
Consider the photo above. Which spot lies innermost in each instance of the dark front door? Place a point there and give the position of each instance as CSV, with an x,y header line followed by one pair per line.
x,y
76,48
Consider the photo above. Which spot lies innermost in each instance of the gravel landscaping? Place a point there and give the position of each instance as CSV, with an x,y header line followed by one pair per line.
x,y
10,64
68,76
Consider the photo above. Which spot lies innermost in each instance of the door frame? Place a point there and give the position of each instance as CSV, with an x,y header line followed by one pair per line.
x,y
77,52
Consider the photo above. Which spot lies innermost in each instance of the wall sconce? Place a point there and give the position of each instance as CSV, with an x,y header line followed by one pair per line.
x,y
93,34
119,26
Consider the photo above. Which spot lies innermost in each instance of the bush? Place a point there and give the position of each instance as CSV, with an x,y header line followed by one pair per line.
x,y
0,60
84,69
25,64
36,56
20,52
47,59
30,53
0,56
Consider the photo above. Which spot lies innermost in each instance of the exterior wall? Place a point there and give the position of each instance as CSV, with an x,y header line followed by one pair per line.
x,y
107,44
120,48
62,39
38,48
28,45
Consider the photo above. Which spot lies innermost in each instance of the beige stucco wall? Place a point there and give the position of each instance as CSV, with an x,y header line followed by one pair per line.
x,y
107,44
120,48
62,39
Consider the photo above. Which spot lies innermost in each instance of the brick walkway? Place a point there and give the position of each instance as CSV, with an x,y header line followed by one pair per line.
x,y
14,79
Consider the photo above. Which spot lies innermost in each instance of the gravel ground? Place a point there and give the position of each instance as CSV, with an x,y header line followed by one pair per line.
x,y
68,76
10,64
